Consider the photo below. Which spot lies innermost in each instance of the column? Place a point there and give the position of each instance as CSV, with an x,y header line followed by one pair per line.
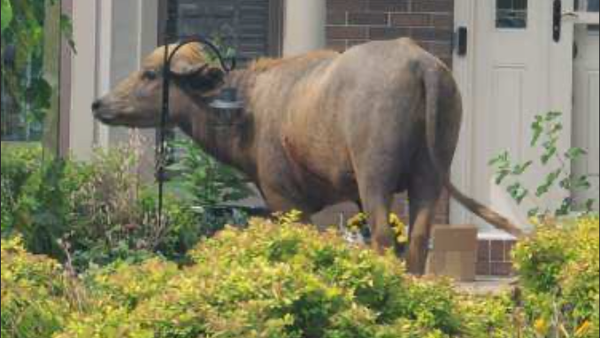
x,y
304,26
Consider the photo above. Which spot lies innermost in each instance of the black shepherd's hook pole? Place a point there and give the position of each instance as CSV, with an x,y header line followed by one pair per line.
x,y
164,118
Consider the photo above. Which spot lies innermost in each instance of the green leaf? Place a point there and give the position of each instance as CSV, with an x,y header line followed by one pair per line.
x,y
548,183
501,176
566,208
553,115
501,160
518,192
552,150
521,169
538,130
534,212
575,153
581,183
7,14
66,27
590,205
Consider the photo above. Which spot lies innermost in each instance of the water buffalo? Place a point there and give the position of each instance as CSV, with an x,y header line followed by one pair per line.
x,y
321,128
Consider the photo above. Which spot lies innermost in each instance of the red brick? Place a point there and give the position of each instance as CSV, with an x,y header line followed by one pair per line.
x,y
352,43
442,20
347,33
429,6
431,34
440,49
410,20
336,18
337,45
484,269
366,18
497,251
347,5
484,252
385,33
442,209
389,5
501,269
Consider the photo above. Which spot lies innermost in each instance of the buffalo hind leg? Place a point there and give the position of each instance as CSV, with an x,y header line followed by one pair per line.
x,y
424,191
376,203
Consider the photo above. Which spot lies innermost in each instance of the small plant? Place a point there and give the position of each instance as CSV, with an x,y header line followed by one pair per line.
x,y
356,230
547,130
208,186
204,181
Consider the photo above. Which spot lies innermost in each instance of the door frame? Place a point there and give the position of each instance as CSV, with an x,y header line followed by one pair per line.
x,y
465,72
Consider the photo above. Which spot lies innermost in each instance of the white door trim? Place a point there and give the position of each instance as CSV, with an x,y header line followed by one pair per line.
x,y
464,69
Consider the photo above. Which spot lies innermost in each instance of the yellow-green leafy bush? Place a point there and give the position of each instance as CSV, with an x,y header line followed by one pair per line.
x,y
279,280
34,300
560,270
286,280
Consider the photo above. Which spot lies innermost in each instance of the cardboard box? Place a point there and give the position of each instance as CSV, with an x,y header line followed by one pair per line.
x,y
454,252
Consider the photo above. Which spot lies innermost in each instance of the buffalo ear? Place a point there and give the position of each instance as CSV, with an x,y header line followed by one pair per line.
x,y
201,77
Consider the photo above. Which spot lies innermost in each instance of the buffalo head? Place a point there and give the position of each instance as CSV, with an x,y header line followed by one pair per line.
x,y
136,101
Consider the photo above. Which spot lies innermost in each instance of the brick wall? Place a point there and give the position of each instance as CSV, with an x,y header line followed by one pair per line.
x,y
430,22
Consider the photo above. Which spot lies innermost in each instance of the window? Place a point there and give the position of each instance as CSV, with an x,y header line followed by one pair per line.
x,y
592,6
511,14
588,5
246,26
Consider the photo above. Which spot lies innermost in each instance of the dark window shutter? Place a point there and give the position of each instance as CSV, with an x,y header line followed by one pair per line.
x,y
243,25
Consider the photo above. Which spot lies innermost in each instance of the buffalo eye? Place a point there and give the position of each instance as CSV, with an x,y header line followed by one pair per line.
x,y
150,75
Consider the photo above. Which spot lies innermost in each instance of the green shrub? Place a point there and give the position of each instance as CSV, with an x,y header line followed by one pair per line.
x,y
114,213
273,280
91,213
283,279
105,210
209,186
18,165
34,299
560,270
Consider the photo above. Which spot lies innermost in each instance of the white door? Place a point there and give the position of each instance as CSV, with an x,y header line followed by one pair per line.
x,y
517,68
586,89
